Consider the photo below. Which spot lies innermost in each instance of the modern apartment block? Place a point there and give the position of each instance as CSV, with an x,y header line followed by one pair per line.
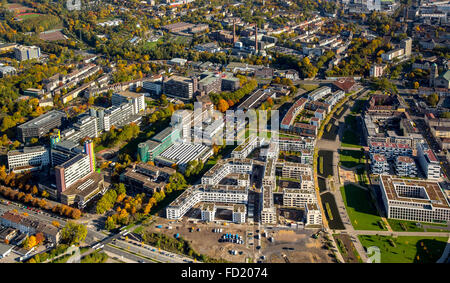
x,y
268,212
206,193
319,93
246,147
239,213
313,216
180,87
295,144
208,211
390,150
405,166
298,197
28,158
335,97
428,162
41,125
294,170
414,200
289,118
225,167
379,164
22,53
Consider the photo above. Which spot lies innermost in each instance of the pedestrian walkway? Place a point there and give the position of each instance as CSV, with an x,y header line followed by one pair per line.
x,y
446,254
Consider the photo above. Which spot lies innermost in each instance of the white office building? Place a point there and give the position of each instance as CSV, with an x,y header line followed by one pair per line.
x,y
414,200
28,158
136,99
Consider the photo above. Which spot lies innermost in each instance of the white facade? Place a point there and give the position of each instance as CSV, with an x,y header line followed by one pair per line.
x,y
225,167
414,200
298,197
313,215
136,99
428,161
37,156
202,193
245,148
319,93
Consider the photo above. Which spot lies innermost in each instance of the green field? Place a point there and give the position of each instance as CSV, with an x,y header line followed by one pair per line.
x,y
29,16
309,87
407,249
151,45
362,212
351,158
411,226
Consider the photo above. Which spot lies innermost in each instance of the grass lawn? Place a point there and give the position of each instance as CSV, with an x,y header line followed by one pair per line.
x,y
29,16
362,212
437,230
309,87
412,227
351,158
407,249
350,139
151,45
98,148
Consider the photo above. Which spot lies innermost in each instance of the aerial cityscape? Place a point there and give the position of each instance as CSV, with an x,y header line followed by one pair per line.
x,y
224,132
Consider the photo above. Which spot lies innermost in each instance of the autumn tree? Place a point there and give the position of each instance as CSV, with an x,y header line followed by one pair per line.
x,y
73,233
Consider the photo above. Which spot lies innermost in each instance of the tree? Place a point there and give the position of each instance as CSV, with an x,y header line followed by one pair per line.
x,y
56,223
75,213
40,238
73,233
433,99
223,105
29,242
110,223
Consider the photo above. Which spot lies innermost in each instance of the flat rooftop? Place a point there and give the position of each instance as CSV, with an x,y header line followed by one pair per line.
x,y
43,119
163,134
435,195
129,94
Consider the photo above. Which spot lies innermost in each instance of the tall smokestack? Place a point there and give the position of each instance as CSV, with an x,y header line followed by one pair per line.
x,y
256,38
